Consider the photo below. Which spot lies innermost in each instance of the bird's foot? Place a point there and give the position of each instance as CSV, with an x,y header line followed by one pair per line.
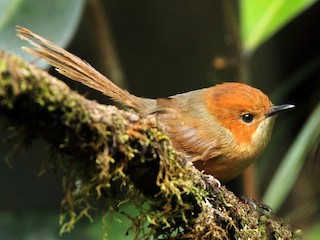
x,y
212,181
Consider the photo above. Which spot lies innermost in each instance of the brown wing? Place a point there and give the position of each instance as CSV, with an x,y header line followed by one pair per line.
x,y
185,136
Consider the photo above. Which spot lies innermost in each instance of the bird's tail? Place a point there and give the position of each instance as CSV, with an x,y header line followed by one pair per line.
x,y
77,69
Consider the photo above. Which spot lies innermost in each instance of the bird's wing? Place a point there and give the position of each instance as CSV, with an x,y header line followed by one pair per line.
x,y
195,142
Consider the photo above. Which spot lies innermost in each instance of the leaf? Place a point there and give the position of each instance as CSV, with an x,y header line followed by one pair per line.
x,y
54,19
263,18
292,163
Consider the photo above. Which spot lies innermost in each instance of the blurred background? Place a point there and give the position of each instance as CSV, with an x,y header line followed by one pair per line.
x,y
160,48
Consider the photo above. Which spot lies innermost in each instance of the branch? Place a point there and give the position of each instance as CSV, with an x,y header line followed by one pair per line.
x,y
100,144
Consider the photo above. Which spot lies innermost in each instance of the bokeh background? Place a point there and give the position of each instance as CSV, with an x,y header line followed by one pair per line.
x,y
160,48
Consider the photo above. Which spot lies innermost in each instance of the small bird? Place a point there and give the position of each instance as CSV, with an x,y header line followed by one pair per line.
x,y
221,129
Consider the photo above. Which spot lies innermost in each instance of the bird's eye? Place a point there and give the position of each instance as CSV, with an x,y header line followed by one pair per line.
x,y
247,118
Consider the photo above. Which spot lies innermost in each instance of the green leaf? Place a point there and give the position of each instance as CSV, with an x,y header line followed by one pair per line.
x,y
263,18
292,163
54,19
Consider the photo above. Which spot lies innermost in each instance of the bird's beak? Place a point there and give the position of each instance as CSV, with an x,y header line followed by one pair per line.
x,y
280,108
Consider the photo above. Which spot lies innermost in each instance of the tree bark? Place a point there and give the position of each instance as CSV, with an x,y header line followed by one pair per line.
x,y
100,146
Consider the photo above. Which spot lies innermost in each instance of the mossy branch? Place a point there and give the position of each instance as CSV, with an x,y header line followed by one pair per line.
x,y
101,146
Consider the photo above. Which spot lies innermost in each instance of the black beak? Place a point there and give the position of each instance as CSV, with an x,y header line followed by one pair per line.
x,y
280,108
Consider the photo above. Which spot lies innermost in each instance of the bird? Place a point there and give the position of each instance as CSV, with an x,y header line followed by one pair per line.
x,y
220,129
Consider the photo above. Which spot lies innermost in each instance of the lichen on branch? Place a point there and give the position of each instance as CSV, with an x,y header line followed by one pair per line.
x,y
102,147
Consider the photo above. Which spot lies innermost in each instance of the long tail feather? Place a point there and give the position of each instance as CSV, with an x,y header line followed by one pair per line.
x,y
77,69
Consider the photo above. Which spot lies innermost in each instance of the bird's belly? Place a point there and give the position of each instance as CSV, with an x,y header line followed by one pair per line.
x,y
224,169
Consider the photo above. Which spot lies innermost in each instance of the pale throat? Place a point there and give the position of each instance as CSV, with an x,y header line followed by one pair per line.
x,y
260,138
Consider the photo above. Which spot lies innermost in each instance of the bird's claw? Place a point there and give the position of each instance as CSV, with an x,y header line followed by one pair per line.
x,y
212,181
249,201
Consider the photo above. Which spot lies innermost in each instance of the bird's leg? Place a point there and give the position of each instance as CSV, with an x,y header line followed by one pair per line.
x,y
211,180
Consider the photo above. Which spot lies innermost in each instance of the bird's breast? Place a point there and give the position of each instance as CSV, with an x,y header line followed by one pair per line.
x,y
223,167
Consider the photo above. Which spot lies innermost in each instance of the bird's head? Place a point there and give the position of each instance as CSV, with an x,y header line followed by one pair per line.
x,y
245,111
